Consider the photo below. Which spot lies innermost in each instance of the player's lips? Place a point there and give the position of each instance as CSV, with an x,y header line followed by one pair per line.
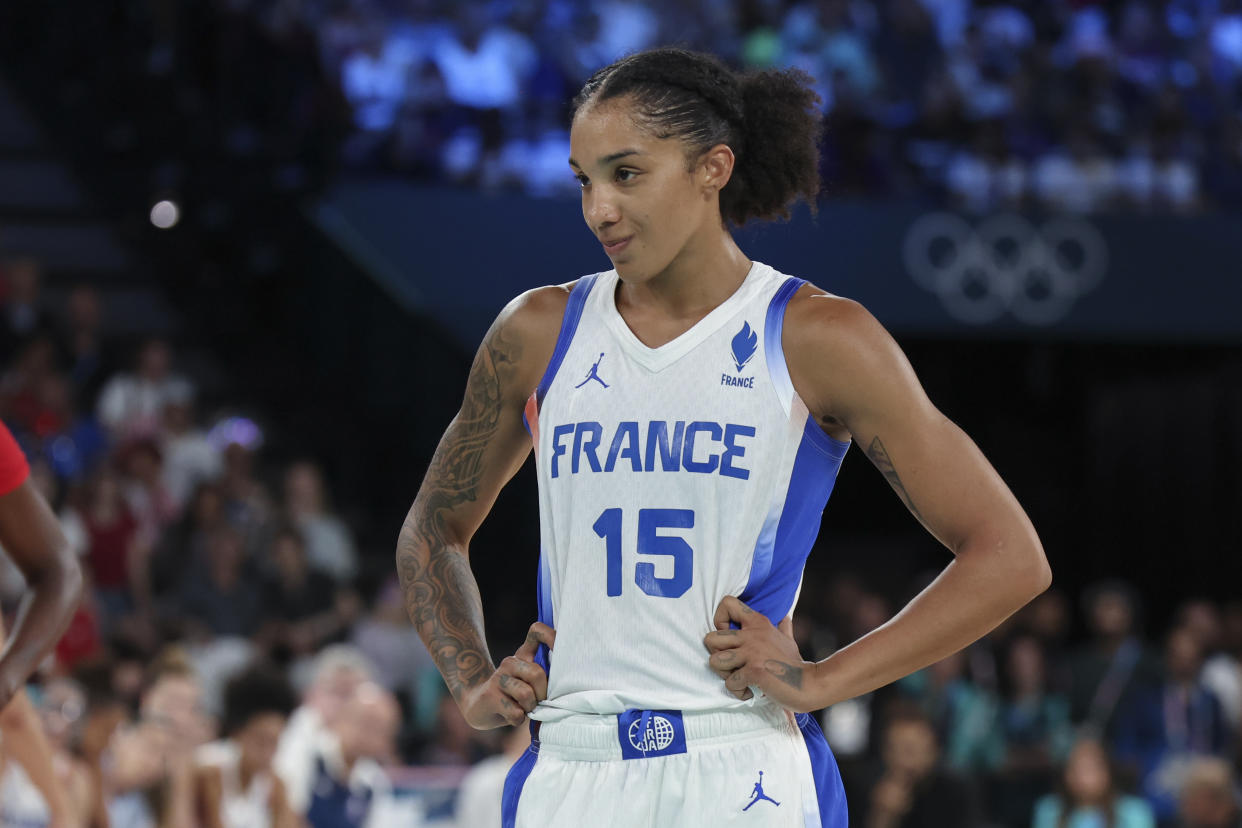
x,y
611,247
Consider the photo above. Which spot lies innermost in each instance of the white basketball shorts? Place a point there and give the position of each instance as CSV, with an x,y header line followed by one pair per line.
x,y
758,766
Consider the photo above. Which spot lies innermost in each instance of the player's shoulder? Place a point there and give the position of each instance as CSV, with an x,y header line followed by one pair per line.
x,y
816,319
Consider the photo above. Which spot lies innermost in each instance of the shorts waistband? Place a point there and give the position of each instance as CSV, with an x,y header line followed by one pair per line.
x,y
652,733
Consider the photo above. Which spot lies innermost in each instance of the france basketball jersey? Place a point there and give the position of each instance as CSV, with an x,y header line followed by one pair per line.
x,y
669,478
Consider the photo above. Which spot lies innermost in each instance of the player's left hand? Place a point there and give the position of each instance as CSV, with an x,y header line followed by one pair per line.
x,y
759,655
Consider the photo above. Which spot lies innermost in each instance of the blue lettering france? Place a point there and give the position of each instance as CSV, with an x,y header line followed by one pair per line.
x,y
698,447
737,382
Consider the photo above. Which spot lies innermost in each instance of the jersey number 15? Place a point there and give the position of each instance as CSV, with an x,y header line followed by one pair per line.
x,y
608,527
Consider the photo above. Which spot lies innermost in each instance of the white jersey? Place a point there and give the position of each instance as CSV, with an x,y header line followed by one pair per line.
x,y
669,478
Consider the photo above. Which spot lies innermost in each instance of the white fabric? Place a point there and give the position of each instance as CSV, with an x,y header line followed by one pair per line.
x,y
639,650
21,803
714,780
478,798
248,808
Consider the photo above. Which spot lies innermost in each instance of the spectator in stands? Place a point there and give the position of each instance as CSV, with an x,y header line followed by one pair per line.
x,y
1209,796
73,444
132,405
1088,795
190,459
228,602
148,500
85,352
347,785
24,314
1107,669
337,672
115,557
149,763
247,504
1166,725
303,609
329,543
235,786
910,787
963,714
1032,735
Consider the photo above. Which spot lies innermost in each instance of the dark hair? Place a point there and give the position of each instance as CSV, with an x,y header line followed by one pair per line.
x,y
258,690
767,118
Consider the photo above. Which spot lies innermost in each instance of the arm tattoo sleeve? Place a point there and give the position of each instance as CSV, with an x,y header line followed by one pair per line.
x,y
879,456
441,594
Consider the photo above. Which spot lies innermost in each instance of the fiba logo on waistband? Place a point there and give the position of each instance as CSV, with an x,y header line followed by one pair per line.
x,y
657,735
1005,265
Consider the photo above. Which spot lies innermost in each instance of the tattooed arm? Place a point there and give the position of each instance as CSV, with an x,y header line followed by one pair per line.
x,y
858,384
481,450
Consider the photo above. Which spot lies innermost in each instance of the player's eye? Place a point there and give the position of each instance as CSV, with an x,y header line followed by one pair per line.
x,y
624,175
583,181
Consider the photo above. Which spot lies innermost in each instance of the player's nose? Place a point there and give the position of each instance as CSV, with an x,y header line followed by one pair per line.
x,y
601,212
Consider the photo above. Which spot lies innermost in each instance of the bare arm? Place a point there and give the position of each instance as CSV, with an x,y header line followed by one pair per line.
x,y
31,536
856,381
482,449
21,732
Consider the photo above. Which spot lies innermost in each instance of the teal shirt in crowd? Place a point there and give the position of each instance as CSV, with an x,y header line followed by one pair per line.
x,y
1131,813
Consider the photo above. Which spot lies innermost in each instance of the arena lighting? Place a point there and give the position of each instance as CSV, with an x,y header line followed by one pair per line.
x,y
165,214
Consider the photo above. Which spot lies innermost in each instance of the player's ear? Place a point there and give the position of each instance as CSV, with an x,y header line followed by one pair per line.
x,y
715,168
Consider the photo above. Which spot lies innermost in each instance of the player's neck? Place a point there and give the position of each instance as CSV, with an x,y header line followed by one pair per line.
x,y
701,277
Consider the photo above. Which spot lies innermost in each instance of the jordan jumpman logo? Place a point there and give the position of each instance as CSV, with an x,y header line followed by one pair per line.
x,y
758,794
593,374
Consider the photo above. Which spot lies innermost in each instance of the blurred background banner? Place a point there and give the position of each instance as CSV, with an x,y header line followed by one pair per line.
x,y
248,249
921,271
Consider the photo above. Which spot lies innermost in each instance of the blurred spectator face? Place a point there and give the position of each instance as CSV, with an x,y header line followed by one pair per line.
x,y
208,508
61,707
226,557
154,360
1087,775
174,703
870,612
24,278
1203,619
1183,655
83,308
368,723
1207,798
106,493
258,740
142,462
1048,616
178,416
289,557
329,693
1111,615
1026,665
303,489
910,748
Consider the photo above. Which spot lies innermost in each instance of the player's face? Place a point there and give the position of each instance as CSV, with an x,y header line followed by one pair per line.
x,y
638,197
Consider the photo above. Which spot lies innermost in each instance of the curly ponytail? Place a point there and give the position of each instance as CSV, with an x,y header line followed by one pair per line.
x,y
769,120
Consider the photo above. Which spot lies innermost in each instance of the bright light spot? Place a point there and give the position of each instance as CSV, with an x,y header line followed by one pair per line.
x,y
165,214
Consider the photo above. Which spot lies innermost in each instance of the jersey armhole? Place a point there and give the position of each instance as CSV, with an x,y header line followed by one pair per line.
x,y
774,348
569,326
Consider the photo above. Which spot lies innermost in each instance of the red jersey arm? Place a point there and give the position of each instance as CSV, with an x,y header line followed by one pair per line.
x,y
13,466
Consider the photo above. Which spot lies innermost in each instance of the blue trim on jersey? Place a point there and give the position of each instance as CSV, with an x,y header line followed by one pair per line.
x,y
776,569
515,780
773,349
545,608
569,326
833,810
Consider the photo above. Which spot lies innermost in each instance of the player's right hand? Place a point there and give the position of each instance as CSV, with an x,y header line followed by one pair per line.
x,y
514,689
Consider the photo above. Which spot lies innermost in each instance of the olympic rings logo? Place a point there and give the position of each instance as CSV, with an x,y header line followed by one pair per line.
x,y
1005,265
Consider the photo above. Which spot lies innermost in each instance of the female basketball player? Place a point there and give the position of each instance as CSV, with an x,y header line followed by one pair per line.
x,y
689,411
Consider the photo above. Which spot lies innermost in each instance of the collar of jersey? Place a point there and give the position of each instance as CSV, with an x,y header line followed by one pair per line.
x,y
657,359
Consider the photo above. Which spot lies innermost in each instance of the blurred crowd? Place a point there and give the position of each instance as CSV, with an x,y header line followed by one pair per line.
x,y
1065,105
236,650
